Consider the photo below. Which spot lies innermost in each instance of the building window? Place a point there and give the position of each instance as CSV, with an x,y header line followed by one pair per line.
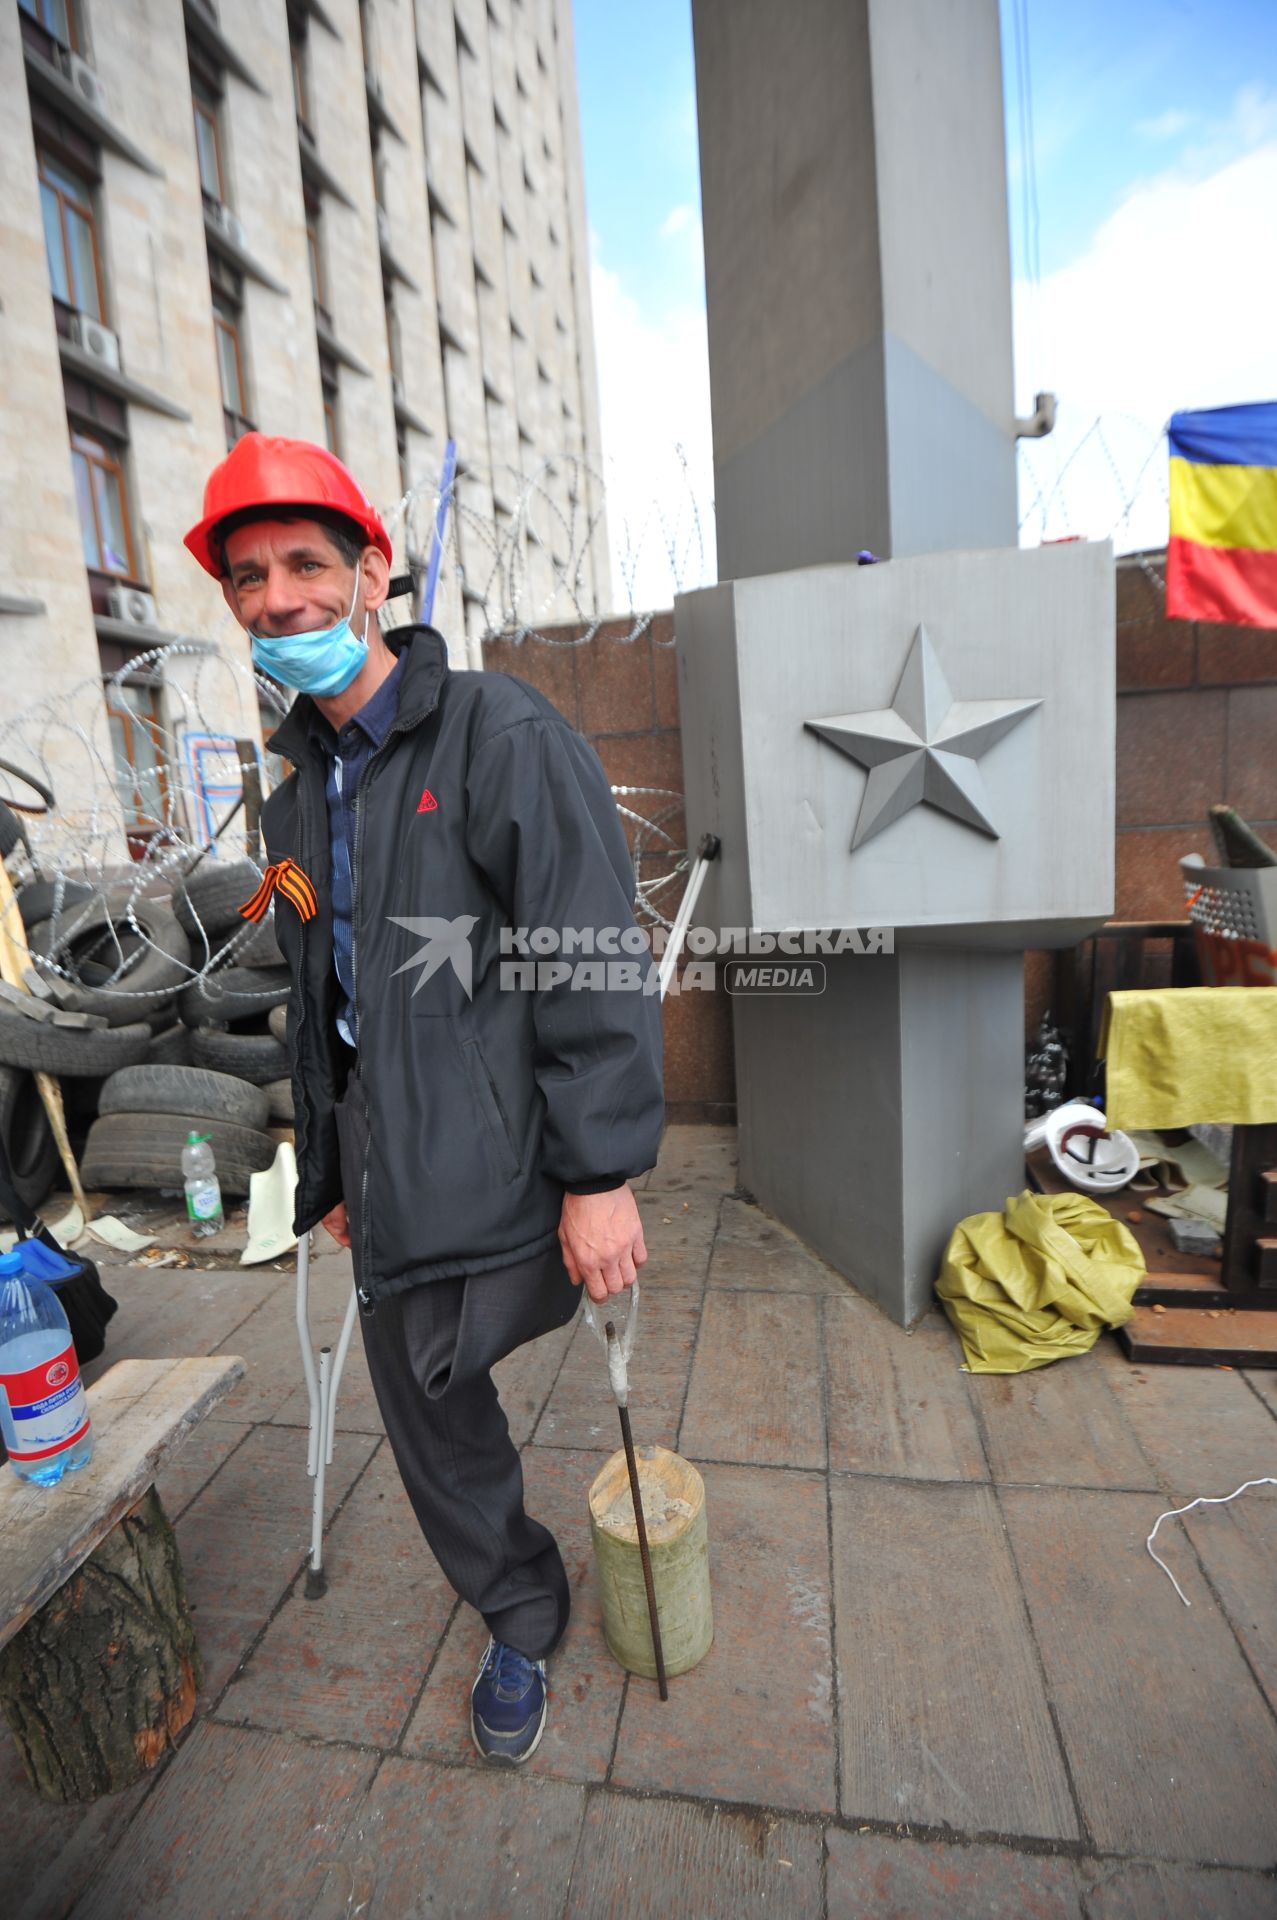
x,y
102,503
208,139
57,17
328,386
401,449
70,238
137,742
227,319
315,255
297,53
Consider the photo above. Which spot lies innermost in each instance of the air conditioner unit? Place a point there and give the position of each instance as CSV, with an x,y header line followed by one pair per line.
x,y
96,340
229,225
131,606
84,80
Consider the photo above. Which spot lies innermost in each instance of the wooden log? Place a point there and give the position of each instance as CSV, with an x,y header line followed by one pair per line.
x,y
673,1496
97,1686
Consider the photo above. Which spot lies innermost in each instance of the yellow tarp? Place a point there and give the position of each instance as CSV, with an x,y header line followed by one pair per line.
x,y
1037,1282
1182,1056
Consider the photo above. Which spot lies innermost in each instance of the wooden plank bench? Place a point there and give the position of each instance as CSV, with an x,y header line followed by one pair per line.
x,y
98,1662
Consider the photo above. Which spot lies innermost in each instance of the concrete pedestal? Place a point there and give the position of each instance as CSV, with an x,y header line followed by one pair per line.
x,y
875,1116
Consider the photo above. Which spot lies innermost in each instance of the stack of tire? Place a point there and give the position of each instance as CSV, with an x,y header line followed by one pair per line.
x,y
128,958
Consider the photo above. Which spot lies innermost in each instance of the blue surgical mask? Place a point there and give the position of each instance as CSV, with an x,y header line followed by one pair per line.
x,y
323,661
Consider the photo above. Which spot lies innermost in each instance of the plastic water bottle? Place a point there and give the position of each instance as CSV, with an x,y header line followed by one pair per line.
x,y
44,1413
203,1191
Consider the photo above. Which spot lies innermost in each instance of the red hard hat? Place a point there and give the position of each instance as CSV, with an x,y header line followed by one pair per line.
x,y
267,471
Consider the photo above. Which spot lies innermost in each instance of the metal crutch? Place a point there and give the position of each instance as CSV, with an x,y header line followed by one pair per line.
x,y
322,1383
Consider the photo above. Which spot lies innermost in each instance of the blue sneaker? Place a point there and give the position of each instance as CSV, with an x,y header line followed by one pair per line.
x,y
508,1705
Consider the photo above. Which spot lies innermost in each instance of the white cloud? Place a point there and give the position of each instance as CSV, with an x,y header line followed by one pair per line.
x,y
1171,306
1165,126
657,449
676,221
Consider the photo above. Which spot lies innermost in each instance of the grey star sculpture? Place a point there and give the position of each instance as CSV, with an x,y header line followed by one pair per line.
x,y
924,747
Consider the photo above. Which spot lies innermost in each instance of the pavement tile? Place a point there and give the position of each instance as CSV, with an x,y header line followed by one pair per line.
x,y
755,1388
524,1379
1060,1425
754,1721
944,1720
201,1455
340,1668
678,1232
1147,1890
242,1826
753,1250
1201,1427
176,1312
694,1157
441,1841
1170,1742
581,1411
1237,1545
49,1853
1264,1382
874,1877
898,1402
655,1858
272,1357
586,1684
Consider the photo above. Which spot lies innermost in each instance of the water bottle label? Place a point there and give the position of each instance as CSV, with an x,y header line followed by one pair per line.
x,y
205,1203
48,1406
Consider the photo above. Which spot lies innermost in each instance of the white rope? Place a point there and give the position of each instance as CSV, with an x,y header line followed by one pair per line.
x,y
1221,1500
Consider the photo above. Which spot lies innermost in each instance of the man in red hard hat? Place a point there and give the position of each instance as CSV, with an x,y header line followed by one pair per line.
x,y
468,1139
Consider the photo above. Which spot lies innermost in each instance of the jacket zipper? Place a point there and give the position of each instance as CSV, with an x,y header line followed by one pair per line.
x,y
367,1304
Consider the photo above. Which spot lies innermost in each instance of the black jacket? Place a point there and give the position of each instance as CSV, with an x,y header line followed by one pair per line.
x,y
483,1106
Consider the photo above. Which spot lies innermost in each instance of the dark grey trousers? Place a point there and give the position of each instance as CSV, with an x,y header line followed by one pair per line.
x,y
431,1351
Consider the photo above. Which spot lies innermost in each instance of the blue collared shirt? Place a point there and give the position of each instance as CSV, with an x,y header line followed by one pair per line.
x,y
349,752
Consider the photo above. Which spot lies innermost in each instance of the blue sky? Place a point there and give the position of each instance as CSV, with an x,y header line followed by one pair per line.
x,y
1154,163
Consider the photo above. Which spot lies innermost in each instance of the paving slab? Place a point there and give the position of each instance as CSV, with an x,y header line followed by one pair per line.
x,y
1147,1890
586,1685
173,1312
1263,1381
206,1451
49,1854
1060,1425
349,1666
695,1156
1171,1744
678,1232
754,1721
898,1402
581,1411
656,1858
872,1876
1237,1545
944,1719
753,1250
245,1536
755,1388
525,1379
243,1824
438,1841
1202,1428
272,1356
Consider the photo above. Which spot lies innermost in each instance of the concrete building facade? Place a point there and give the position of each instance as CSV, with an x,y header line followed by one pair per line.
x,y
359,221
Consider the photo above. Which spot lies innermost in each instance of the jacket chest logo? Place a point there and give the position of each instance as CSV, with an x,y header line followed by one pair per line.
x,y
427,802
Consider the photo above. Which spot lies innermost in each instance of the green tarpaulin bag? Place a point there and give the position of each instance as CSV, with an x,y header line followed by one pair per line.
x,y
1038,1281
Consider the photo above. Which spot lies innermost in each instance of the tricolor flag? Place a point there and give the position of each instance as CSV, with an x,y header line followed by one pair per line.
x,y
1221,563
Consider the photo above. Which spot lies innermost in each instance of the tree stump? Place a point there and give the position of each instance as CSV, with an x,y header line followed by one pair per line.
x,y
99,1683
673,1496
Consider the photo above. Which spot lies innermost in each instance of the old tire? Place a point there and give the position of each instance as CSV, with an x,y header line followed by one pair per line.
x,y
233,993
46,899
115,970
257,1057
87,1053
277,1021
279,1097
145,1150
257,945
172,1048
215,1096
28,1138
208,901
